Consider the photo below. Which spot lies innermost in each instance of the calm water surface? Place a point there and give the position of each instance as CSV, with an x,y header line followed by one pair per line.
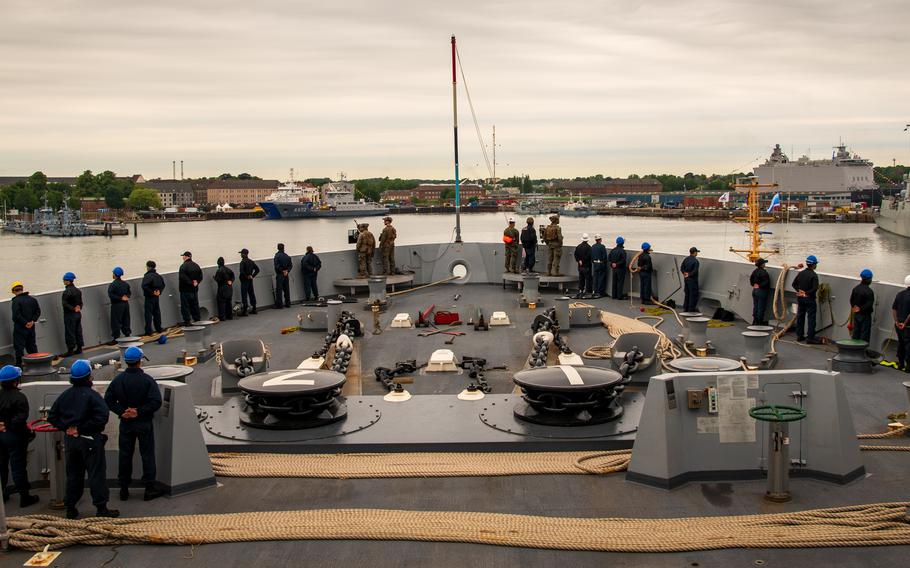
x,y
41,261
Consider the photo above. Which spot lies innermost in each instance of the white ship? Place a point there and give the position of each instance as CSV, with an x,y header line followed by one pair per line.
x,y
334,199
576,209
894,216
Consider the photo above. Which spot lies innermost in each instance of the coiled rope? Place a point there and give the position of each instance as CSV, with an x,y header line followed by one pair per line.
x,y
435,464
880,524
617,325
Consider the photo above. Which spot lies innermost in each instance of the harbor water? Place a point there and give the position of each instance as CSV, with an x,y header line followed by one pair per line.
x,y
40,261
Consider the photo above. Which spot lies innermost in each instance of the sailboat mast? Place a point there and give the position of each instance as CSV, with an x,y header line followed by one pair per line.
x,y
455,124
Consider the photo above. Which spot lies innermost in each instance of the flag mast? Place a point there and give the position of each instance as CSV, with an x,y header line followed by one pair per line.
x,y
455,129
754,220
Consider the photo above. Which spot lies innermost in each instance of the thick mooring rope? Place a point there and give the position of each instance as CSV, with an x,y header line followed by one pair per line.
x,y
882,435
462,464
860,525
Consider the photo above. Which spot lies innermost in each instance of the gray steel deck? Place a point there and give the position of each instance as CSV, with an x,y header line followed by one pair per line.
x,y
871,396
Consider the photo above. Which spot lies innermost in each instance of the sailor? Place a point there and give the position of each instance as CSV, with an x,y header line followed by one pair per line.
x,y
190,276
618,267
645,269
387,246
283,265
72,315
152,286
81,414
806,286
529,244
599,266
310,265
510,238
761,291
862,303
553,239
248,270
689,269
26,312
224,297
365,246
583,260
900,311
14,436
118,291
134,397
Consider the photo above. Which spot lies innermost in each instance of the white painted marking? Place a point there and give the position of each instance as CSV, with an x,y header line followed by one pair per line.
x,y
572,375
288,379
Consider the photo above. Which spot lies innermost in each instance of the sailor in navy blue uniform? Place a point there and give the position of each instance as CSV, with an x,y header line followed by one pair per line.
x,y
689,269
81,414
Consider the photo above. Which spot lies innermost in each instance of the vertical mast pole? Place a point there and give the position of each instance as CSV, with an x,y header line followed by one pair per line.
x,y
494,153
455,129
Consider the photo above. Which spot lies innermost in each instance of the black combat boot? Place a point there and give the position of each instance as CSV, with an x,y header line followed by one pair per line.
x,y
27,500
72,513
152,492
103,511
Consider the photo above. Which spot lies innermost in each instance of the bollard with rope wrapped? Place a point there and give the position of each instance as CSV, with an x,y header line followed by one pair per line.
x,y
55,471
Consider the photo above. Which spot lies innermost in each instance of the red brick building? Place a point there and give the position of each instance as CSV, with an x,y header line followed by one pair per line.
x,y
607,186
433,192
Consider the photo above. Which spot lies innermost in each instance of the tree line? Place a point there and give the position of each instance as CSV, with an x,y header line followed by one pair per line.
x,y
117,192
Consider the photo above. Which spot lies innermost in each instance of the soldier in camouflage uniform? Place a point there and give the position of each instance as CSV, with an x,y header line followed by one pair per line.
x,y
510,237
553,238
366,243
387,246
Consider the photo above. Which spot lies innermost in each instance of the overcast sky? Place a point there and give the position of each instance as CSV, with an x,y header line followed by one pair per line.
x,y
364,86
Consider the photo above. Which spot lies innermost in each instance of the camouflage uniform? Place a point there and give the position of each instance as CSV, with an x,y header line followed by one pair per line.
x,y
513,253
387,247
366,244
553,238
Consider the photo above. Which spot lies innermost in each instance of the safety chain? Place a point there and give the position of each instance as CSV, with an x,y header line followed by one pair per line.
x,y
385,375
342,357
347,324
476,368
538,357
244,365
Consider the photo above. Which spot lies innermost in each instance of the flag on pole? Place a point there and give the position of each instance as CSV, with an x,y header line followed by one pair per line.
x,y
725,198
775,202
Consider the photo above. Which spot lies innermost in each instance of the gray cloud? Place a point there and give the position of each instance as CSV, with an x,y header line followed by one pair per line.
x,y
574,87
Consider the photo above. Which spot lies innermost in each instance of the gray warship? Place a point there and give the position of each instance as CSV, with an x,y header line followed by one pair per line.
x,y
369,374
66,222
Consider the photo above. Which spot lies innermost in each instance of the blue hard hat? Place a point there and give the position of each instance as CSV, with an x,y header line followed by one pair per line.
x,y
133,354
645,246
118,271
866,273
620,240
811,259
69,276
80,369
10,373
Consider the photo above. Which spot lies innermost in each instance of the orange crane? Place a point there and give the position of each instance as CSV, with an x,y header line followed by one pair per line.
x,y
753,220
